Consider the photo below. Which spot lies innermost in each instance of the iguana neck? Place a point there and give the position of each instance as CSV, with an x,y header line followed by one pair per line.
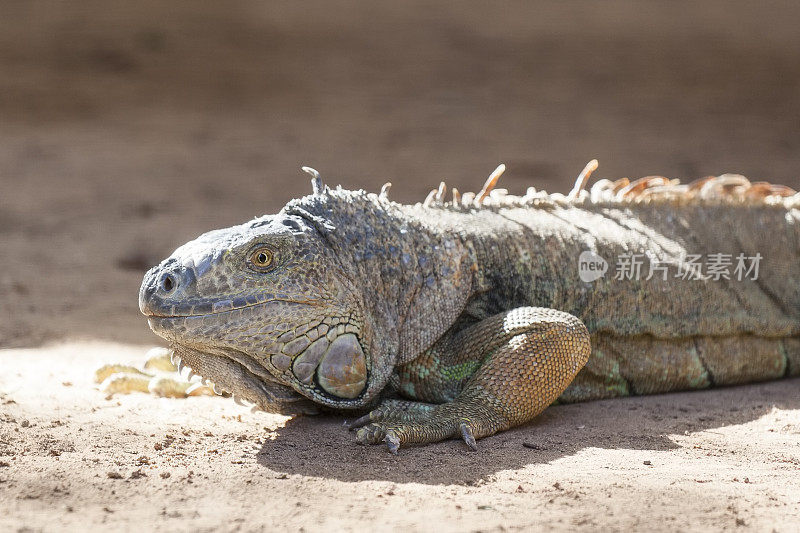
x,y
414,274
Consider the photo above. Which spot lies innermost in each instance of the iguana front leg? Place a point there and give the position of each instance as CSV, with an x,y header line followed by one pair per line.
x,y
493,375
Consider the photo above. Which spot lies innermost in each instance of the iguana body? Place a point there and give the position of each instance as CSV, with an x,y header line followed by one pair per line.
x,y
469,317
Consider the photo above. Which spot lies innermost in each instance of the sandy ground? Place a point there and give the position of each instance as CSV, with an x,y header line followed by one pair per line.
x,y
128,128
71,459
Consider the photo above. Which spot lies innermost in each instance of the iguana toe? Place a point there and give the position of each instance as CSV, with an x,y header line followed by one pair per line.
x,y
395,434
392,442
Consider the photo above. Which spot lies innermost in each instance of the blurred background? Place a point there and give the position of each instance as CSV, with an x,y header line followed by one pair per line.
x,y
127,128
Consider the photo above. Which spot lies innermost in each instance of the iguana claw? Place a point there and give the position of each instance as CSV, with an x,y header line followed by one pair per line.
x,y
392,442
360,422
469,438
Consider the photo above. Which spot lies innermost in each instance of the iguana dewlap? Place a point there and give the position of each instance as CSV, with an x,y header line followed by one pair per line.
x,y
470,316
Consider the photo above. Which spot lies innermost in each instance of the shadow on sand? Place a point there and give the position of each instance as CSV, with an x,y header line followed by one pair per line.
x,y
639,423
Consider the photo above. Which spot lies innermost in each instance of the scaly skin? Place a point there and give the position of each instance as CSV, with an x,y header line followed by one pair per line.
x,y
469,318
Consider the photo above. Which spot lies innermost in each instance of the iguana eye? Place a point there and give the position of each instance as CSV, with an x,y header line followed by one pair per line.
x,y
261,257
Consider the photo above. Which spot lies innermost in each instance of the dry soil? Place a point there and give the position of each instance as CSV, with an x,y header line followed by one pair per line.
x,y
127,128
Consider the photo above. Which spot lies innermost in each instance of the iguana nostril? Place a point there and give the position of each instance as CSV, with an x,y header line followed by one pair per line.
x,y
168,283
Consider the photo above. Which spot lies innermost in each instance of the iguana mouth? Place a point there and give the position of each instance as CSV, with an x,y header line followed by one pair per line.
x,y
216,308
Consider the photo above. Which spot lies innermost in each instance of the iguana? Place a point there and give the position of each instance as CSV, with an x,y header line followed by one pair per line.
x,y
469,316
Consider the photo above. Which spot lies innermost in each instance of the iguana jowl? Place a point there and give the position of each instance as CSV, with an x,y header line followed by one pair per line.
x,y
468,317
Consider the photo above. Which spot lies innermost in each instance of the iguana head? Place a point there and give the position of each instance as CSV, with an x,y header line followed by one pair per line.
x,y
266,311
318,302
